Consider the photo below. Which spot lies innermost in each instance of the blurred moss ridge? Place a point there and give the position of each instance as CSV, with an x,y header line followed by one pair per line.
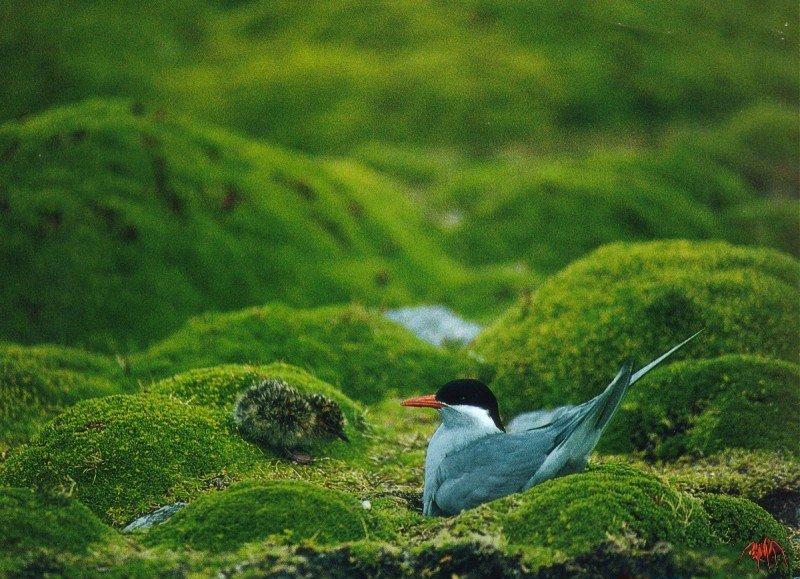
x,y
470,149
121,223
475,74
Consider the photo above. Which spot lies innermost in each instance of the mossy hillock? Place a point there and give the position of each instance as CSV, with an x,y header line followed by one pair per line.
x,y
35,528
701,407
104,202
577,513
37,383
353,348
286,511
123,455
564,342
220,386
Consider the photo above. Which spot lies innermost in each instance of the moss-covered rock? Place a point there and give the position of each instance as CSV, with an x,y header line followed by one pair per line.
x,y
33,387
576,513
737,522
700,407
353,348
251,511
565,342
123,455
104,203
35,527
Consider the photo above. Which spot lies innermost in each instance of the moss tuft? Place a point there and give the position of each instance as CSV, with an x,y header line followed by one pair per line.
x,y
123,455
35,527
701,407
576,513
355,349
564,343
284,511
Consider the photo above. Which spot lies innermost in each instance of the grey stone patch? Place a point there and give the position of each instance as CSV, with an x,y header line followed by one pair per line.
x,y
435,324
155,518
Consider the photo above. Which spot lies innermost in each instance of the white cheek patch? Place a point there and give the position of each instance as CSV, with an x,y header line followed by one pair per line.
x,y
478,416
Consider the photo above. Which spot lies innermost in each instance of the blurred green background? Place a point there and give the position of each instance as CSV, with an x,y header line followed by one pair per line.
x,y
158,161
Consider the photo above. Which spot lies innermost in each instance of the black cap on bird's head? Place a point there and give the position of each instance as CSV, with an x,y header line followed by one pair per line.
x,y
462,392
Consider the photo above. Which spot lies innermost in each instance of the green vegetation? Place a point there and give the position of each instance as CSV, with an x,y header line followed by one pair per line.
x,y
357,350
737,522
34,386
251,511
122,455
201,197
220,386
705,406
104,204
35,526
477,75
566,341
576,513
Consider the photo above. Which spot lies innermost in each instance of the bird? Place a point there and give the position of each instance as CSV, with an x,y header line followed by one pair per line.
x,y
272,413
473,458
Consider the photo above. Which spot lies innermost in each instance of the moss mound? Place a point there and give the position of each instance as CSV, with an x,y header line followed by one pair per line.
x,y
576,513
565,342
52,357
355,349
33,388
33,526
701,407
289,511
517,211
104,203
737,521
220,386
123,455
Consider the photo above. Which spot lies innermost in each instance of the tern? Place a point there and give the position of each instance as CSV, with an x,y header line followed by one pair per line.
x,y
472,458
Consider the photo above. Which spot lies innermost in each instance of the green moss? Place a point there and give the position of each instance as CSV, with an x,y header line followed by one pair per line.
x,y
761,476
104,204
123,455
565,342
355,349
517,211
737,522
576,513
33,387
52,357
251,511
701,407
220,386
34,526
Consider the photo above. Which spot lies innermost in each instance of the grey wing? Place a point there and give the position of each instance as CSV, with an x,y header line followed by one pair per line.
x,y
540,418
563,414
493,467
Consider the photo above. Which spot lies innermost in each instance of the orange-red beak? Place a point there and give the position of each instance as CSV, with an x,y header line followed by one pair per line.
x,y
428,401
